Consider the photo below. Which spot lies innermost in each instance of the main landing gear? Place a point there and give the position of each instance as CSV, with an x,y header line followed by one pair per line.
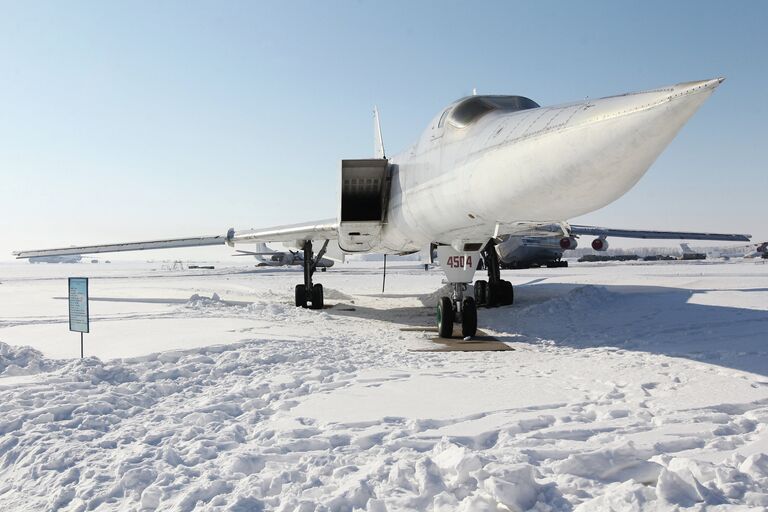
x,y
495,291
307,294
457,308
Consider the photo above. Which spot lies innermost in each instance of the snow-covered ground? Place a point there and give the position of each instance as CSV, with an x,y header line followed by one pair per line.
x,y
630,387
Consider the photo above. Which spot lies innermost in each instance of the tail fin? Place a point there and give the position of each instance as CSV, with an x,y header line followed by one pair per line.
x,y
378,141
262,247
686,249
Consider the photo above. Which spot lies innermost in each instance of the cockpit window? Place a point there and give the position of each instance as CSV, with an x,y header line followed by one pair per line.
x,y
442,118
473,108
469,110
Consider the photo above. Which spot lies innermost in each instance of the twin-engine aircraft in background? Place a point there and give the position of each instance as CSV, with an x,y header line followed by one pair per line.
x,y
524,252
72,258
485,167
267,257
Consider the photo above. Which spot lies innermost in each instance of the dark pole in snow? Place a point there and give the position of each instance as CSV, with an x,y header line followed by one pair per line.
x,y
384,277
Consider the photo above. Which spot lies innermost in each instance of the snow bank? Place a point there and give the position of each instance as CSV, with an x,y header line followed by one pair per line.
x,y
431,299
16,361
333,294
211,428
616,464
583,423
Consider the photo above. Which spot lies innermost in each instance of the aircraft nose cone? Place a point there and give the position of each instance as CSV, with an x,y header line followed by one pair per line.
x,y
685,96
696,86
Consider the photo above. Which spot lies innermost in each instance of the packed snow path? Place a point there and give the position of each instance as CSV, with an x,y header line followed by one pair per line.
x,y
631,387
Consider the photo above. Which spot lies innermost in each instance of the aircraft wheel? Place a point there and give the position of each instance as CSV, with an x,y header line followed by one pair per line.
x,y
506,293
317,296
301,296
469,317
323,269
481,292
445,317
492,295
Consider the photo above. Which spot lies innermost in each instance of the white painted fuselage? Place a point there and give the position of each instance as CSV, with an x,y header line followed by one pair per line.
x,y
545,164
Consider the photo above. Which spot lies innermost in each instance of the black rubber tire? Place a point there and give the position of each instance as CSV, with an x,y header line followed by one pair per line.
x,y
492,294
323,269
468,317
317,296
445,317
506,293
301,296
481,292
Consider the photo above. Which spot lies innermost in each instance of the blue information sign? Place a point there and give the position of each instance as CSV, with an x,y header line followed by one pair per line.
x,y
78,304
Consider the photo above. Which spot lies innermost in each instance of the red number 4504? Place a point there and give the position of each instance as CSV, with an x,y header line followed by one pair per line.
x,y
458,261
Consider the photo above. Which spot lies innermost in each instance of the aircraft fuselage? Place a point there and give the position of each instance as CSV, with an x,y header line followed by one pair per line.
x,y
542,164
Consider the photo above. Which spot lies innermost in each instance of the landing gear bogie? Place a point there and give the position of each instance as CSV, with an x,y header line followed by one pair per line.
x,y
495,291
308,294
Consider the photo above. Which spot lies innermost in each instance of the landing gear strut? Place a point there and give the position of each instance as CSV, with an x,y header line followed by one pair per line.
x,y
457,308
307,294
495,291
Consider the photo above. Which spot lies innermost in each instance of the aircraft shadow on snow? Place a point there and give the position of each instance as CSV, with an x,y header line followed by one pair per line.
x,y
651,319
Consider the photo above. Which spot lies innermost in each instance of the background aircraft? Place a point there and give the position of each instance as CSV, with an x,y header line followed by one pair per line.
x,y
519,252
72,258
740,251
270,258
759,251
690,254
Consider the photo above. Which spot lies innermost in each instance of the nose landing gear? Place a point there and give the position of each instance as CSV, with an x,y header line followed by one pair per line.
x,y
457,308
459,268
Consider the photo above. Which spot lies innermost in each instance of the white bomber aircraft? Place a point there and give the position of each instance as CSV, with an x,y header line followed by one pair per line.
x,y
487,166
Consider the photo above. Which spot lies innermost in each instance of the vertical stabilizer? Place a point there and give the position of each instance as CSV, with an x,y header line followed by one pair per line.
x,y
686,249
378,143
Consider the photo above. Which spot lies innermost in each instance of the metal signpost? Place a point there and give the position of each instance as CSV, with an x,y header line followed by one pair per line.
x,y
78,307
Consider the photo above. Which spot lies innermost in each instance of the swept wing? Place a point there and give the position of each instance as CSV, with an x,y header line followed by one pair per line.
x,y
315,230
656,235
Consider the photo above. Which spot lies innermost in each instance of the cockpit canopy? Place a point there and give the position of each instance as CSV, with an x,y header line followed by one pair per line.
x,y
472,108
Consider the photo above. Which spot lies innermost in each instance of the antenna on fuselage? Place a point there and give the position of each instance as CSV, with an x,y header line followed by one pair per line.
x,y
474,91
378,141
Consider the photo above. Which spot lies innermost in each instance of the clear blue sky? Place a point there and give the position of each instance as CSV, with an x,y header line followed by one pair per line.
x,y
135,120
